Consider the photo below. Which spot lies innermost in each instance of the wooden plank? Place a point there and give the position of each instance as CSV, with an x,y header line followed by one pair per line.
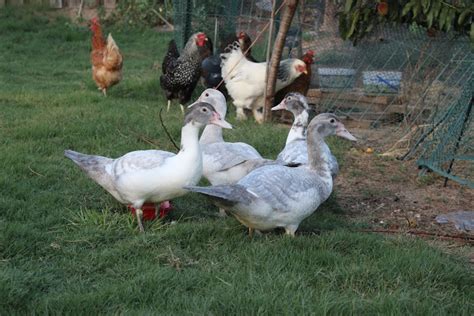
x,y
354,95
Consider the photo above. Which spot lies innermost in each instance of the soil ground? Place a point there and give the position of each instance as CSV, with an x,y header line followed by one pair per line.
x,y
394,197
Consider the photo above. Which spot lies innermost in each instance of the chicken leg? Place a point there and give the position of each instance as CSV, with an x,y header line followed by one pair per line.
x,y
240,114
169,104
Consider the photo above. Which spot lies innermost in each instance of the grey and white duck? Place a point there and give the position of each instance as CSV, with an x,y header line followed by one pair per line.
x,y
295,152
153,175
280,196
225,162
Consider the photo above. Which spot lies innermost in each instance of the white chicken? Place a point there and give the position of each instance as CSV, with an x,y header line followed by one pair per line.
x,y
245,80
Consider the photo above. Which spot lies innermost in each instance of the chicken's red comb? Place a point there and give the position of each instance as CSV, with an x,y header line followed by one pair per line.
x,y
242,34
201,35
310,52
95,20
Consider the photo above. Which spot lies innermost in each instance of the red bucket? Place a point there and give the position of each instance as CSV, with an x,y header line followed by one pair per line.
x,y
150,212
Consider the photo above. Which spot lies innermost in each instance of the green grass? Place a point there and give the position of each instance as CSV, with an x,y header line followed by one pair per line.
x,y
67,247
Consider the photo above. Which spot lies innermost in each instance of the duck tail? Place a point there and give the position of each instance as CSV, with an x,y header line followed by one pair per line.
x,y
224,195
90,164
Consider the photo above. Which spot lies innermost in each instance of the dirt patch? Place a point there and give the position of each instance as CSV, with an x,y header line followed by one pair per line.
x,y
389,194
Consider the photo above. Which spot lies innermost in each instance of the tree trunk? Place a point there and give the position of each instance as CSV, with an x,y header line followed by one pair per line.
x,y
286,19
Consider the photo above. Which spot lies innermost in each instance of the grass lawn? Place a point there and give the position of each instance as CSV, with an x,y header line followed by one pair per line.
x,y
68,246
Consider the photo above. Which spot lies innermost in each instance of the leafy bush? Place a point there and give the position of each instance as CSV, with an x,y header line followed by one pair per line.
x,y
358,17
142,13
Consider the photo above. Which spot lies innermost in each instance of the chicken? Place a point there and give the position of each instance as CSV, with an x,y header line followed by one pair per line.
x,y
211,74
211,66
105,58
245,80
171,55
181,72
245,41
301,84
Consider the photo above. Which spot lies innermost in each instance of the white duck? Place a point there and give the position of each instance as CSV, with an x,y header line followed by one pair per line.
x,y
153,175
279,196
295,152
224,162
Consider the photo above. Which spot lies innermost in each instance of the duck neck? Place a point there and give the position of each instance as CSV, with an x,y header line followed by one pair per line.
x,y
298,129
211,134
317,157
189,139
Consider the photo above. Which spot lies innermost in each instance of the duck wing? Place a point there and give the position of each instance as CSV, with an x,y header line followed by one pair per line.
x,y
140,160
284,188
275,188
222,156
295,153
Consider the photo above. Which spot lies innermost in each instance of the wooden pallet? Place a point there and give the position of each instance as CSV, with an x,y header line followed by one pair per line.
x,y
355,105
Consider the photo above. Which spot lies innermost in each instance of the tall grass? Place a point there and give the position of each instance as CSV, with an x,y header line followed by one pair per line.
x,y
67,247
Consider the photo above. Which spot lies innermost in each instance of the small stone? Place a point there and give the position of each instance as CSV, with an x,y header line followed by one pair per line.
x,y
462,220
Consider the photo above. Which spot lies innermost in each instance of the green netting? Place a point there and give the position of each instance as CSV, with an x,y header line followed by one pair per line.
x,y
216,18
449,148
392,87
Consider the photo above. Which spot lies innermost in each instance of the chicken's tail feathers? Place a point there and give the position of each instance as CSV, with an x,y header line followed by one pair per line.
x,y
230,58
173,48
111,42
113,59
224,195
232,51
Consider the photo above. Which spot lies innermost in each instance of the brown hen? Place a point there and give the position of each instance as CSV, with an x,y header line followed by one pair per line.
x,y
105,58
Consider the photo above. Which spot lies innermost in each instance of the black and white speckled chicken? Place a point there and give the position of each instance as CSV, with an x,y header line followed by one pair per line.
x,y
181,72
171,54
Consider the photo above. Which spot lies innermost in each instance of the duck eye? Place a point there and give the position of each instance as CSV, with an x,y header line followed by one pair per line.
x,y
207,94
332,121
204,110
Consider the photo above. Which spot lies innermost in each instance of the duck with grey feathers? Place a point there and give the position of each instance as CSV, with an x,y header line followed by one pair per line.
x,y
295,152
225,162
279,196
153,175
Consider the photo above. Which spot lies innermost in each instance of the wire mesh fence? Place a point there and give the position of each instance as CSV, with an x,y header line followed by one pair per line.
x,y
392,88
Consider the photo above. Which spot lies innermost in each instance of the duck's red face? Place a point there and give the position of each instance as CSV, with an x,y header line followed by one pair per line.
x,y
201,39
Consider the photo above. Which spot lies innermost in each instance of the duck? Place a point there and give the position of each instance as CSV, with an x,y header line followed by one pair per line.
x,y
295,152
153,176
280,196
225,162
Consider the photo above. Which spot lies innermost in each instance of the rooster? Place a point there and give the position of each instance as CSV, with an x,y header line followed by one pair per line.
x,y
245,80
300,85
181,72
105,58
